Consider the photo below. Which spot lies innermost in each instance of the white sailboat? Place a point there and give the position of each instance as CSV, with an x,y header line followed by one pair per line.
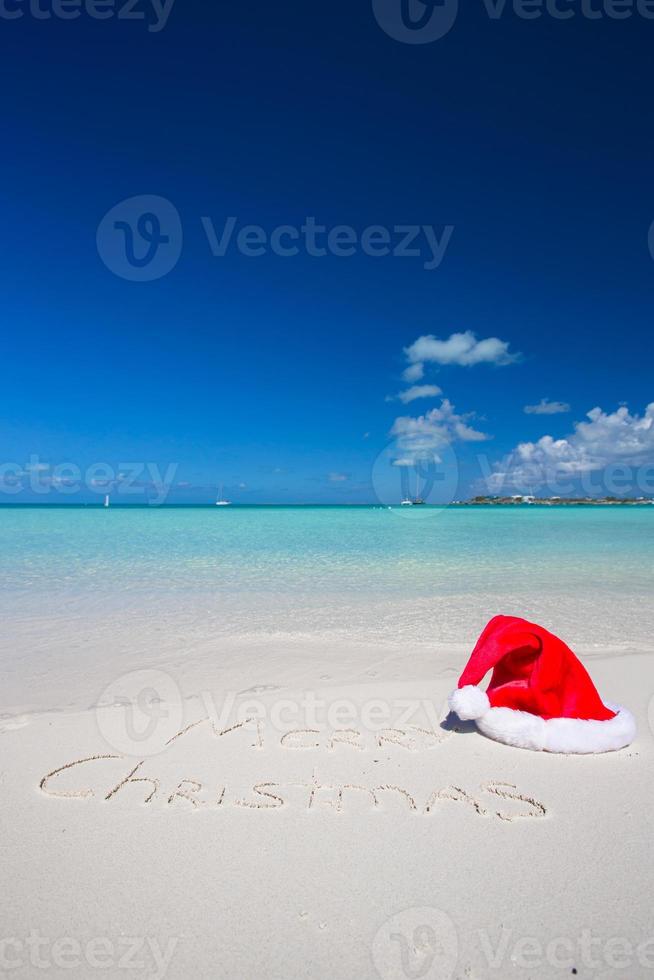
x,y
413,501
106,500
221,502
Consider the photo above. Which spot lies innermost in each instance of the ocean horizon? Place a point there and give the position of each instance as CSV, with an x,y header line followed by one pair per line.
x,y
235,505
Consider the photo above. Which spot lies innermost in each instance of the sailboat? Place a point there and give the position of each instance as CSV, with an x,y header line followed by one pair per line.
x,y
416,501
106,500
221,502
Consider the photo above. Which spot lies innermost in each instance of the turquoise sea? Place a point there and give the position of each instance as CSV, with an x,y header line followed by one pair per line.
x,y
267,563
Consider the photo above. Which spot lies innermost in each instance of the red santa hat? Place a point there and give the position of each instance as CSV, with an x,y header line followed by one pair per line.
x,y
540,695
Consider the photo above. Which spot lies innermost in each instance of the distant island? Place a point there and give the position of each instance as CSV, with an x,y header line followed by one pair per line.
x,y
519,499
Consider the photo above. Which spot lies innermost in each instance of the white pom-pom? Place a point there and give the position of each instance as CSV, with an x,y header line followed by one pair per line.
x,y
469,702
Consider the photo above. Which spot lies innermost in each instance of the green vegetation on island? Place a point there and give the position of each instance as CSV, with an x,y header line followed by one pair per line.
x,y
521,499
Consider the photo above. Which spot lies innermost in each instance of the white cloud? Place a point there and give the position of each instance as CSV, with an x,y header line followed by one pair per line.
x,y
337,477
415,392
462,349
546,407
435,428
414,372
605,439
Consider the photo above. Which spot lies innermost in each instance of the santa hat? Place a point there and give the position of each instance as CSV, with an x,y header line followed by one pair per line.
x,y
540,695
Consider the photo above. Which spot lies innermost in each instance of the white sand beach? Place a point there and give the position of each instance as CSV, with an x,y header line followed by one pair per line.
x,y
226,759
340,832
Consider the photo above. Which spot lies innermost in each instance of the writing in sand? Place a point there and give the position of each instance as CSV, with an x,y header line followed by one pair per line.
x,y
147,782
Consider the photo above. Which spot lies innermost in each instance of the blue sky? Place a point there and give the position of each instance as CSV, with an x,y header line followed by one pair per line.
x,y
528,139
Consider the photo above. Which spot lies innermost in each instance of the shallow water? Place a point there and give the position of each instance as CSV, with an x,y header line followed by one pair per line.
x,y
363,572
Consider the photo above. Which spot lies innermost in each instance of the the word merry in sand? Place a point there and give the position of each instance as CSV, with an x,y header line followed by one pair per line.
x,y
411,737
